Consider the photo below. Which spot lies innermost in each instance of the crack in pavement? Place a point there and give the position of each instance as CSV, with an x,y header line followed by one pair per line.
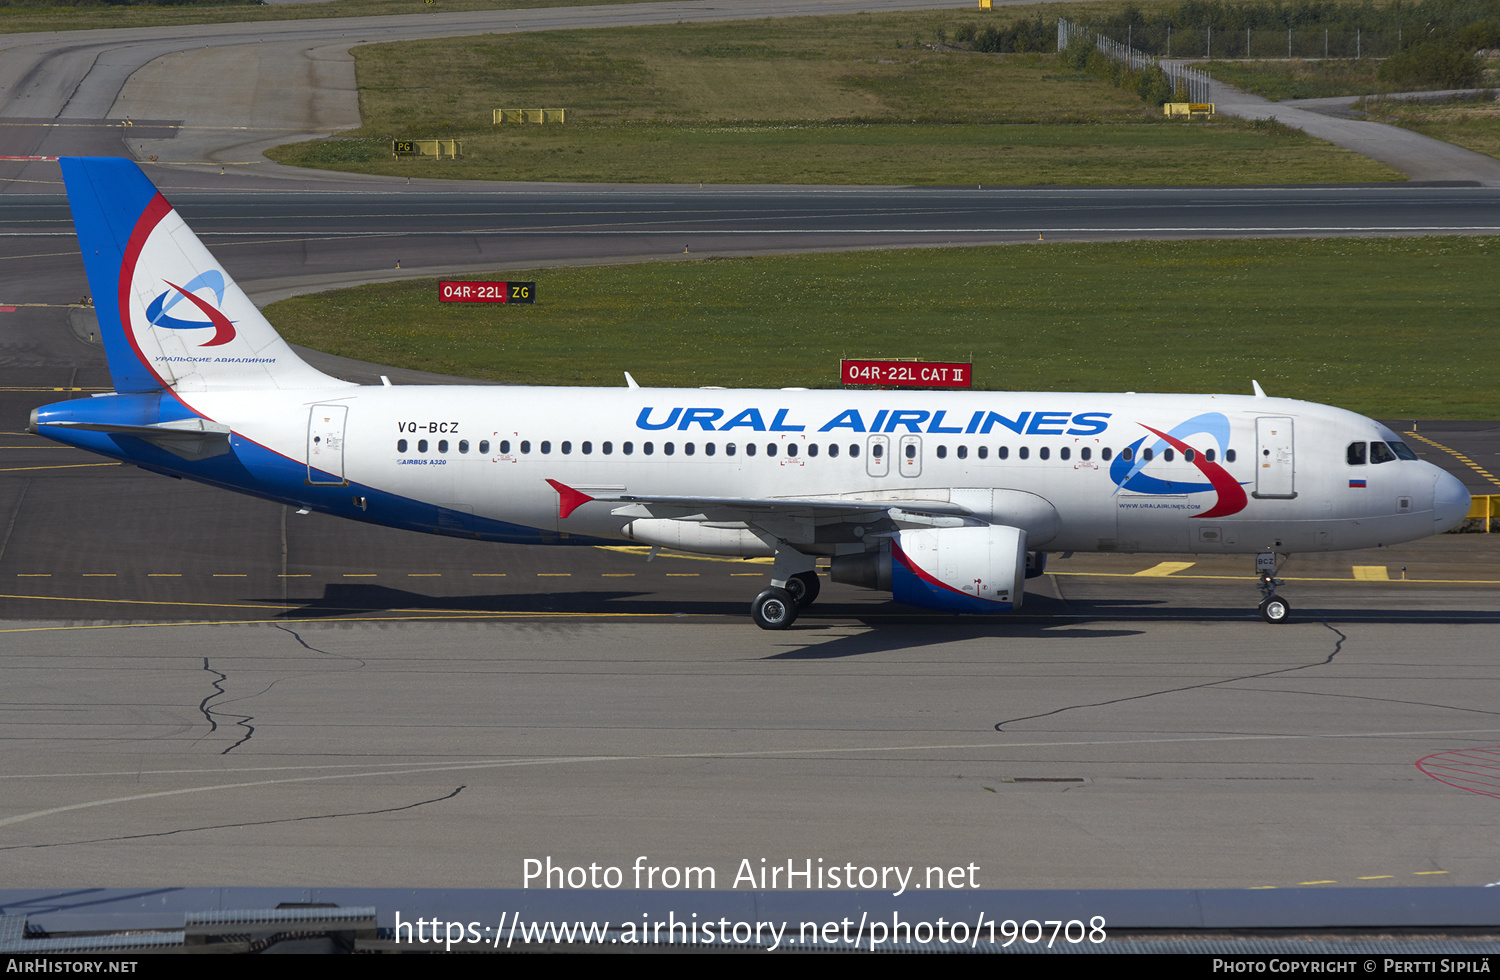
x,y
208,711
244,720
1339,645
231,826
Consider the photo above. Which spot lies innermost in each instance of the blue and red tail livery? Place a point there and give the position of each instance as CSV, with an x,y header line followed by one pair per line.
x,y
170,316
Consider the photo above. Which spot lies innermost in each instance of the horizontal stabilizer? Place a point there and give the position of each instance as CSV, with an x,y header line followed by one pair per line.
x,y
187,438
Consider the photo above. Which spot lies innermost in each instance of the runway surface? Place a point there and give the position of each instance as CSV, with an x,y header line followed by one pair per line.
x,y
1159,753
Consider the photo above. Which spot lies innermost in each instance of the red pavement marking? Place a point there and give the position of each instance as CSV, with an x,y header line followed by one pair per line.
x,y
1475,770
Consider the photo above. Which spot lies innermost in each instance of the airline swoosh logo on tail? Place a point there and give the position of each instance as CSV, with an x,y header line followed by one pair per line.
x,y
157,311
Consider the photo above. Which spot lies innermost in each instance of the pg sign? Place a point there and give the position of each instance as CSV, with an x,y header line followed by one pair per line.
x,y
487,292
907,374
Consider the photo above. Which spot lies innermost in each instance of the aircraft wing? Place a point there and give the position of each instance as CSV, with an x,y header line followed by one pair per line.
x,y
758,510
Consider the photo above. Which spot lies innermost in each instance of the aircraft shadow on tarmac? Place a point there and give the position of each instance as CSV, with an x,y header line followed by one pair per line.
x,y
356,598
892,626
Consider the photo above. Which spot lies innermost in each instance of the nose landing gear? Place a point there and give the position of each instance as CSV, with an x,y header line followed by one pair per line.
x,y
1273,608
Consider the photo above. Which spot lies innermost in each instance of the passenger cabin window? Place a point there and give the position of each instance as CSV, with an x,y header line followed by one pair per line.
x,y
400,445
877,450
608,448
1085,454
463,445
1106,453
854,450
1229,455
942,452
812,449
791,449
1044,453
963,452
442,445
421,445
567,447
546,446
1025,452
1127,454
1355,455
1168,455
1064,453
1003,452
984,452
484,447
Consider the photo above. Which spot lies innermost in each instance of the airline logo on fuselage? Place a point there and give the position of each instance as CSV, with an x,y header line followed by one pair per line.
x,y
1129,470
158,310
902,420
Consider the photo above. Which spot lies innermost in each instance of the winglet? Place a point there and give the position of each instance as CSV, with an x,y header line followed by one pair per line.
x,y
1259,392
629,381
568,499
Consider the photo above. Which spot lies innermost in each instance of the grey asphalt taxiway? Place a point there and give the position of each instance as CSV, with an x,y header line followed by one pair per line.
x,y
200,687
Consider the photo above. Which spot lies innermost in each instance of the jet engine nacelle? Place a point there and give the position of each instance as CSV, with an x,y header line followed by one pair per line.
x,y
956,569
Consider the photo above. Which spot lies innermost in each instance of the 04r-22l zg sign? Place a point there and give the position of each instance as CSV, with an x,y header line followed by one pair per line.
x,y
487,292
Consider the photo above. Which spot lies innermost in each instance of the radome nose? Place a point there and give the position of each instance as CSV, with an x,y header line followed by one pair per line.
x,y
1450,502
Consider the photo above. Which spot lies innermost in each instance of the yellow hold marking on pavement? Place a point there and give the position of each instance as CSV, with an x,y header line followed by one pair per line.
x,y
1166,568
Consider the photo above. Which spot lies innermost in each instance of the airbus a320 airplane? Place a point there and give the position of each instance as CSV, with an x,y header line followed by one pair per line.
x,y
947,500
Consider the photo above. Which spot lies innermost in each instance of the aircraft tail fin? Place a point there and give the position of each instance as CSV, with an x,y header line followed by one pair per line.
x,y
169,315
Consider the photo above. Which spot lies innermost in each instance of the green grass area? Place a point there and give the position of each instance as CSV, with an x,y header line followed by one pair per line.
x,y
1474,125
1298,79
1387,327
840,100
1228,152
1314,79
22,17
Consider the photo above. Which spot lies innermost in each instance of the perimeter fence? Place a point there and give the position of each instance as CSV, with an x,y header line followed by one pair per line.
x,y
1195,82
1168,42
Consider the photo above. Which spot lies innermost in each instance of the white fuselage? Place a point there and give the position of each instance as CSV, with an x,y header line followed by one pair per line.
x,y
1050,462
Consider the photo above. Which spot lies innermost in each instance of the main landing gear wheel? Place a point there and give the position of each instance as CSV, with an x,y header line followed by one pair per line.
x,y
1274,609
774,609
804,588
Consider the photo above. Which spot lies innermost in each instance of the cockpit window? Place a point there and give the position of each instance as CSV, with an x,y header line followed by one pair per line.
x,y
1356,454
1403,450
1381,453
